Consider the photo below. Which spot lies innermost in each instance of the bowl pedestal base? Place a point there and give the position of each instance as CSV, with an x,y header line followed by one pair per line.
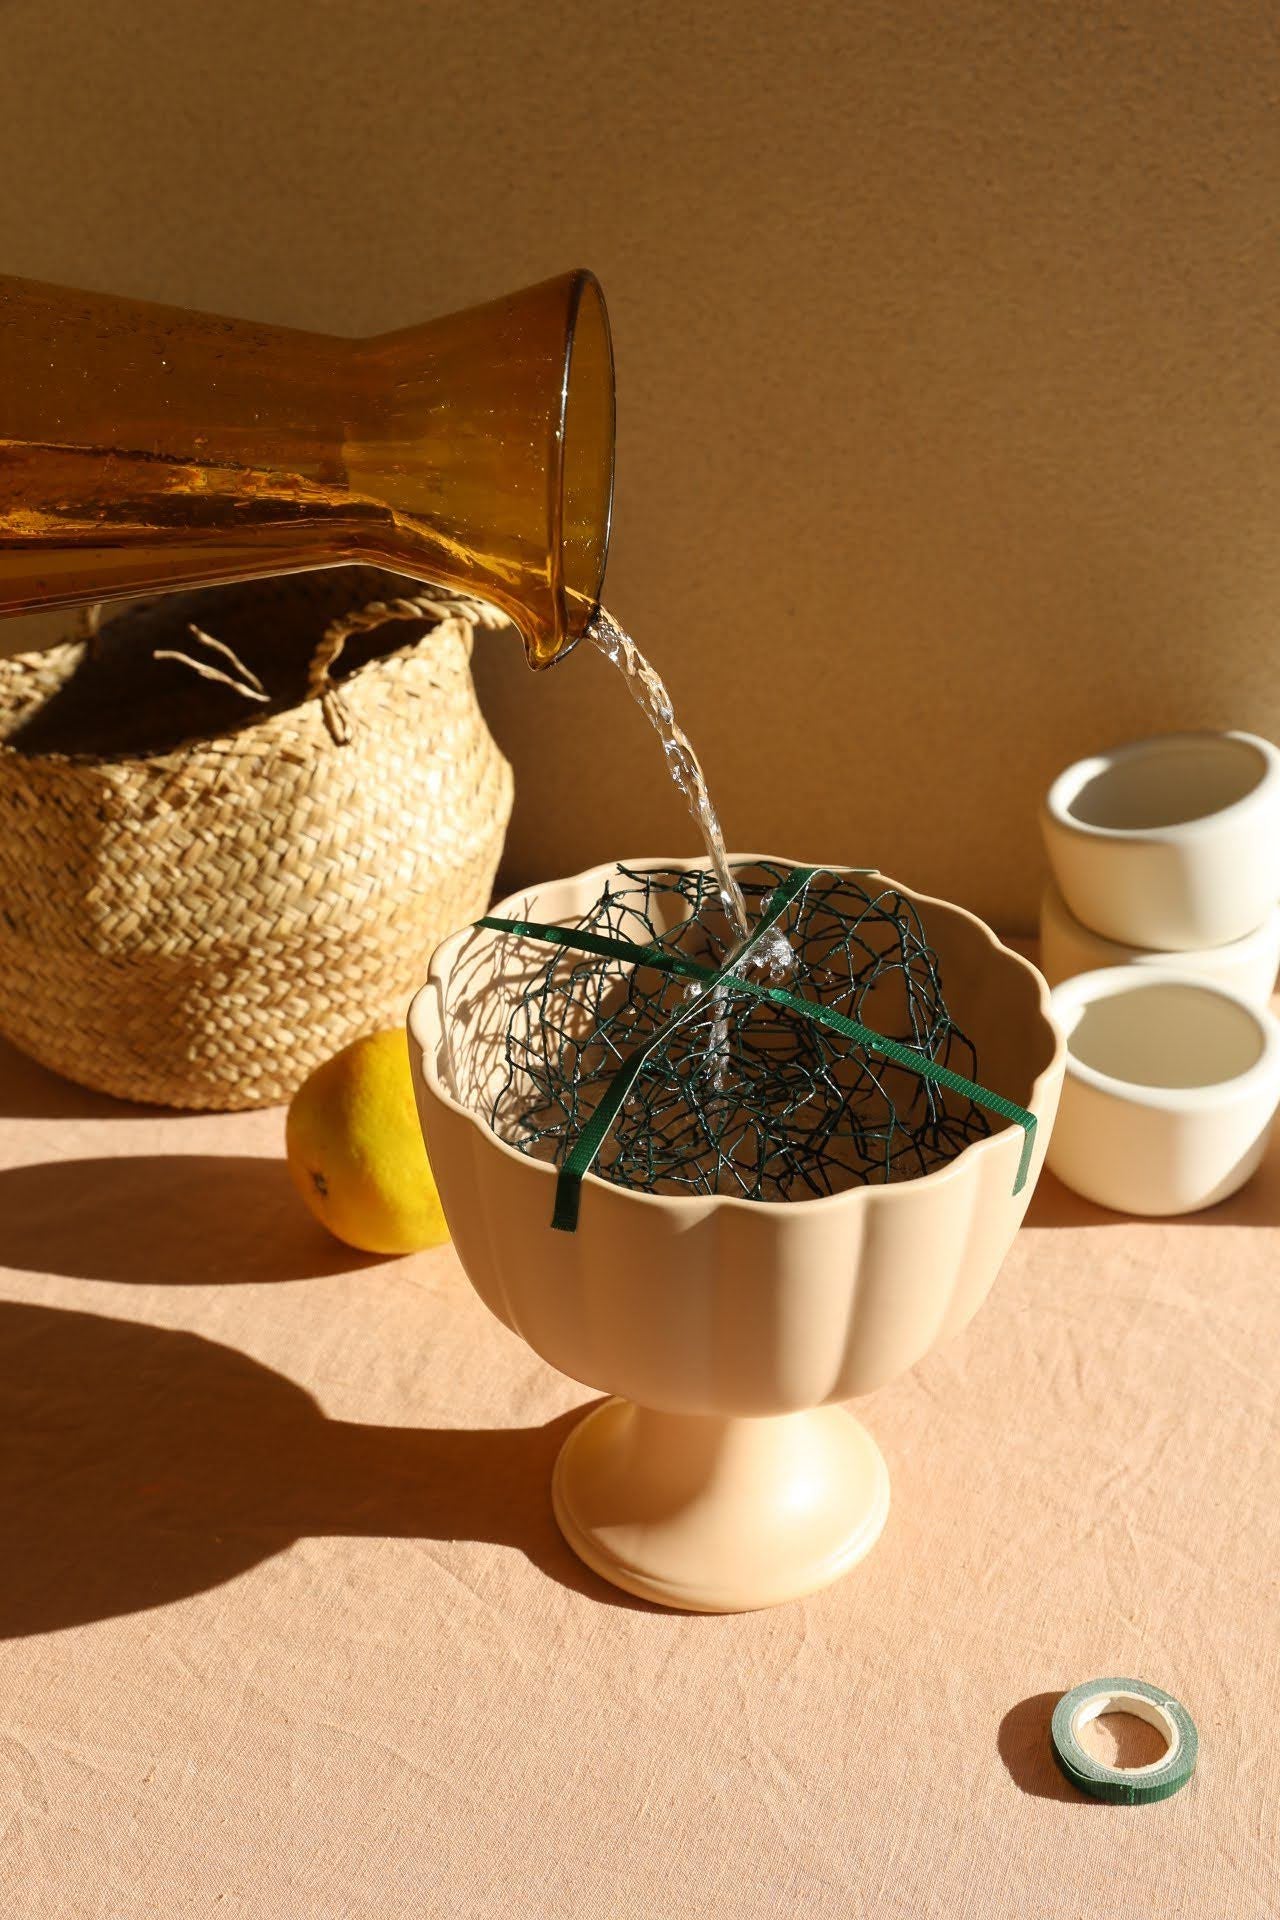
x,y
717,1514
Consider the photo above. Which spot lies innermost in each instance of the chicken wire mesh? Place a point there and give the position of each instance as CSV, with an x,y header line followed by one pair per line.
x,y
671,1059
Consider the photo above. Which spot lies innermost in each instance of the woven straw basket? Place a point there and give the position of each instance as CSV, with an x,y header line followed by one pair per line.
x,y
227,847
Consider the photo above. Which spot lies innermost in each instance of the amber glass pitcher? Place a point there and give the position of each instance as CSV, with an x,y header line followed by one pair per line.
x,y
144,448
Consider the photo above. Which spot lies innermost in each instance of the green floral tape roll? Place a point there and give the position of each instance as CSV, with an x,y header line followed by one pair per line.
x,y
1127,1786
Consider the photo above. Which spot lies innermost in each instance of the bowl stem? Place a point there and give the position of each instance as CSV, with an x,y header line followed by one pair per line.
x,y
719,1514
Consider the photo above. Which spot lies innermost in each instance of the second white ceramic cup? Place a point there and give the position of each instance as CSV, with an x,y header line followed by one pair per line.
x,y
1170,1090
1170,843
1247,966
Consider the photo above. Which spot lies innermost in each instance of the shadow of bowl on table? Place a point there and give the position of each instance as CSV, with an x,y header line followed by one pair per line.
x,y
142,1465
165,1219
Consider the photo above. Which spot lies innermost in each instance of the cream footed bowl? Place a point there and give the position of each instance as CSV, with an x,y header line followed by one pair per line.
x,y
724,1473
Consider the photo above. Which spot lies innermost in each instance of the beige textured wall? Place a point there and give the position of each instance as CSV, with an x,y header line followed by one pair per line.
x,y
947,343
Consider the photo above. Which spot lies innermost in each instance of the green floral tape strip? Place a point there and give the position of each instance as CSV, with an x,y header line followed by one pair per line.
x,y
586,1148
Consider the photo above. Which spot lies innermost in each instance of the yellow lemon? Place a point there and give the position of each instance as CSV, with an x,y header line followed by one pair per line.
x,y
355,1149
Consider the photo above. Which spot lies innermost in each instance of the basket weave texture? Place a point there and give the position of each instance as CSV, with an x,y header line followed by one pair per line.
x,y
203,925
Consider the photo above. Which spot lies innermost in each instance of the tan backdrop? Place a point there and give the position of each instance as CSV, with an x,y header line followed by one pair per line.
x,y
949,413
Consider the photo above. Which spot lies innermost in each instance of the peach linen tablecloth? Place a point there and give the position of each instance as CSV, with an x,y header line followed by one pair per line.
x,y
288,1629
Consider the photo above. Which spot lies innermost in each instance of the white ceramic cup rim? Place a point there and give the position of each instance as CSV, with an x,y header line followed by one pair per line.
x,y
1071,782
1072,997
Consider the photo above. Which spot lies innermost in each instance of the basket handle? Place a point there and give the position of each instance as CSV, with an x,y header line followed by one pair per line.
x,y
247,685
421,606
89,627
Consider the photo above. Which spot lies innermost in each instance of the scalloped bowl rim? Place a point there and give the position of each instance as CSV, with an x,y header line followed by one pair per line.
x,y
441,965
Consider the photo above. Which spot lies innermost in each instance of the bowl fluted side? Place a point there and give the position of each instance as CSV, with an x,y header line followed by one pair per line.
x,y
720,1305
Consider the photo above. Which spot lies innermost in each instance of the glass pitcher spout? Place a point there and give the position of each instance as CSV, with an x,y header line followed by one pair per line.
x,y
145,448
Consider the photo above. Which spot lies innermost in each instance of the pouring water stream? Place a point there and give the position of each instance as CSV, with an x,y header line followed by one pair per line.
x,y
773,953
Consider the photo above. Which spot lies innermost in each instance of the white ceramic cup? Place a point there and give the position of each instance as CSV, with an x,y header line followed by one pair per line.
x,y
1247,966
1170,1089
1170,843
